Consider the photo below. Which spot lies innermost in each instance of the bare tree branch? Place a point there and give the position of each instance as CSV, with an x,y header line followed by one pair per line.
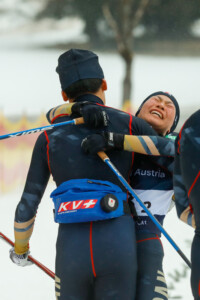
x,y
139,12
109,18
126,16
113,24
122,27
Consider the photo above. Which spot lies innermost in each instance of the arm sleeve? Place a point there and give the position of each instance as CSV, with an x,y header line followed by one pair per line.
x,y
149,145
180,193
36,182
64,109
145,140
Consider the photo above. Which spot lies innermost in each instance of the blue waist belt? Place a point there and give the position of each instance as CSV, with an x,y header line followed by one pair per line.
x,y
84,200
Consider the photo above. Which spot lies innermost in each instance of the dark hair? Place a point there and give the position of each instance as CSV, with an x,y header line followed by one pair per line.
x,y
83,86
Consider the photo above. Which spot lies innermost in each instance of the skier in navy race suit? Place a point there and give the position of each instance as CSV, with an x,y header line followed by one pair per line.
x,y
94,259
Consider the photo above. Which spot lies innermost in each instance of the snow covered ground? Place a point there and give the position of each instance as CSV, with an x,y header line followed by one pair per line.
x,y
30,282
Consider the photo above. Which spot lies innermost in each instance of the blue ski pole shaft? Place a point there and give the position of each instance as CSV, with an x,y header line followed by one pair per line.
x,y
43,128
106,159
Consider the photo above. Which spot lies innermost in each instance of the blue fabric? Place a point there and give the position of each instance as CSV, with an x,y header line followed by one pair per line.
x,y
113,246
78,200
145,224
150,277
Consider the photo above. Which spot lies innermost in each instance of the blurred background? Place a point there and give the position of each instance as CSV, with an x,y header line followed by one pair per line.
x,y
143,46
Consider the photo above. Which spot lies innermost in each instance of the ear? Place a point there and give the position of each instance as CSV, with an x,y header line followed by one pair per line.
x,y
104,85
64,95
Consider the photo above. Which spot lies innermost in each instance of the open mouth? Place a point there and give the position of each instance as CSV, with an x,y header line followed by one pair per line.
x,y
157,113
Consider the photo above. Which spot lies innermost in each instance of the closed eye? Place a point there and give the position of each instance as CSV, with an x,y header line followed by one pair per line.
x,y
170,104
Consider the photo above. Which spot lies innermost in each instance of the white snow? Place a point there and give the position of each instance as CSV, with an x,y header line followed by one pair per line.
x,y
182,235
28,282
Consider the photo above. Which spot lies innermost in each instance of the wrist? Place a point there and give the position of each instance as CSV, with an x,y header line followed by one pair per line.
x,y
20,250
77,107
115,140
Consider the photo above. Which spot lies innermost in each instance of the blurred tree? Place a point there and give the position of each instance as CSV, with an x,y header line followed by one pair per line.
x,y
110,21
56,9
171,19
123,20
91,13
105,20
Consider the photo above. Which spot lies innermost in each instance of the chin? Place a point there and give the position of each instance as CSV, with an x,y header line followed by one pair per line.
x,y
154,122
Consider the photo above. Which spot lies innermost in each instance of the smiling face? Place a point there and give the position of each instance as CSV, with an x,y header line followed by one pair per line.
x,y
159,111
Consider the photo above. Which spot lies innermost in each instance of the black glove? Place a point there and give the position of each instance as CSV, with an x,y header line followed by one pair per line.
x,y
94,115
102,142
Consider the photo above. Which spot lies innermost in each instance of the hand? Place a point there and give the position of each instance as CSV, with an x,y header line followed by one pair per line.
x,y
20,260
94,115
102,142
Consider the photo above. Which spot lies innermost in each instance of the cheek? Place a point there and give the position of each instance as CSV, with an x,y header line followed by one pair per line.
x,y
144,111
171,116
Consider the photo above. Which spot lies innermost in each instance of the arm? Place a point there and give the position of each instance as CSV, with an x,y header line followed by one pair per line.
x,y
94,116
64,109
37,179
188,217
181,199
148,145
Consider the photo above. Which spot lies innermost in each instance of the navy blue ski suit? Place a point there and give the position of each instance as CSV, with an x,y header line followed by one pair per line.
x,y
94,260
187,188
151,179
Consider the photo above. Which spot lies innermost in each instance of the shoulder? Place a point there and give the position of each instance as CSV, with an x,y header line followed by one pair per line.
x,y
116,111
41,141
138,126
142,127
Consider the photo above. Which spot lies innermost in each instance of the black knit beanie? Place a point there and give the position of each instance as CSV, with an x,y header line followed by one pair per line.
x,y
78,64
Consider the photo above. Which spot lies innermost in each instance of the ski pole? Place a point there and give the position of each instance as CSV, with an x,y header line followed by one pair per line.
x,y
43,128
36,262
106,159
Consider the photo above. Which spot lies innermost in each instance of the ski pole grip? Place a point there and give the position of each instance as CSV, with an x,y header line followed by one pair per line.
x,y
102,155
79,121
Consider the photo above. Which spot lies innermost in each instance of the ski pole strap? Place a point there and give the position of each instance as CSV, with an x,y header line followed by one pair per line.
x,y
77,121
106,159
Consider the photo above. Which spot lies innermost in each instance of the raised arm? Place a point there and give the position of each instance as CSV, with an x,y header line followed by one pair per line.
x,y
61,110
147,145
94,116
